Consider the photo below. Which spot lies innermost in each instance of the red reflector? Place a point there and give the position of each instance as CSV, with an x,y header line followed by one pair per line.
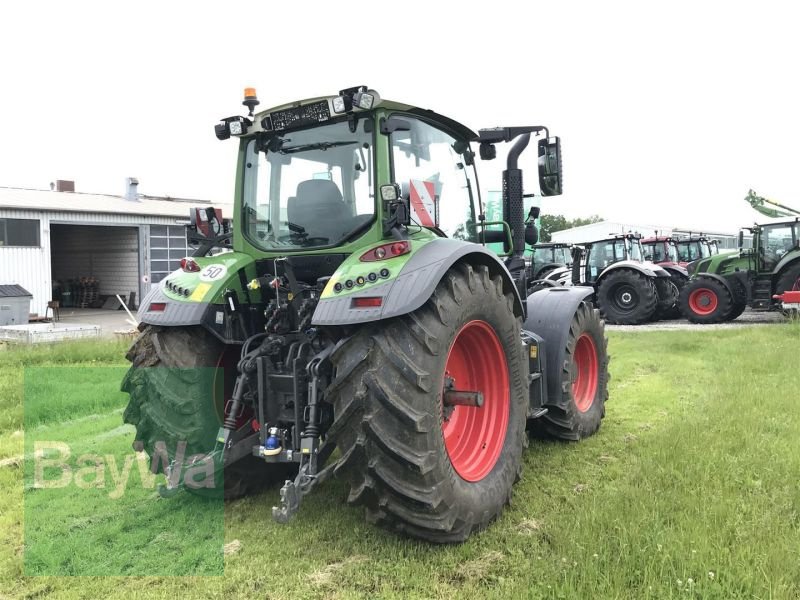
x,y
157,306
367,302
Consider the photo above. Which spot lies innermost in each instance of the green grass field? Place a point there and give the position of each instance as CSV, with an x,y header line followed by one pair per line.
x,y
690,489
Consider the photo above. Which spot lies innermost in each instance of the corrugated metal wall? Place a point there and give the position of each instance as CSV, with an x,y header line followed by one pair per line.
x,y
28,267
109,254
31,268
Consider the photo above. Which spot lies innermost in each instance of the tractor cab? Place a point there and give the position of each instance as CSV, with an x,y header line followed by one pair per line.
x,y
601,254
693,248
660,250
775,240
546,257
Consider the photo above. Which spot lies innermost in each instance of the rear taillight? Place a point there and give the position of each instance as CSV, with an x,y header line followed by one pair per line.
x,y
367,302
157,306
189,265
385,251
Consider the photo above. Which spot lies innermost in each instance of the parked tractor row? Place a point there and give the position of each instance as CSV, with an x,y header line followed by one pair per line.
x,y
628,274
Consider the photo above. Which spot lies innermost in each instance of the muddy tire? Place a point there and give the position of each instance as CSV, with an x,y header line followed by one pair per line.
x,y
705,301
176,396
627,297
420,468
584,381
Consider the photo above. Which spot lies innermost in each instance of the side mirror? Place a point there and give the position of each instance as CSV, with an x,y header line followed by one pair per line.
x,y
741,239
531,233
550,182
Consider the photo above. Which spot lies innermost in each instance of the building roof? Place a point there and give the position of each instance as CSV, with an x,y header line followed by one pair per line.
x,y
13,291
46,200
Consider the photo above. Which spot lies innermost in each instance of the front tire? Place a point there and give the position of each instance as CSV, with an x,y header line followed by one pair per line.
x,y
419,467
584,381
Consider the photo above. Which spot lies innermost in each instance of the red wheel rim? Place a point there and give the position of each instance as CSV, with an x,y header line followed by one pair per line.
x,y
474,436
584,386
703,301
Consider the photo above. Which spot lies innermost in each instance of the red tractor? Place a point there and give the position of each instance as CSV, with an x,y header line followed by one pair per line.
x,y
663,251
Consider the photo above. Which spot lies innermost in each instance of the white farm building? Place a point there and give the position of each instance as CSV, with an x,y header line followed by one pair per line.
x,y
57,244
604,229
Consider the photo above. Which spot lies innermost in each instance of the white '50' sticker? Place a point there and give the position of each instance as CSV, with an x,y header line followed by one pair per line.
x,y
213,272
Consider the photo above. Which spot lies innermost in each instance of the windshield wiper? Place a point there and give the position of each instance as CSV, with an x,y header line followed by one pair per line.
x,y
315,146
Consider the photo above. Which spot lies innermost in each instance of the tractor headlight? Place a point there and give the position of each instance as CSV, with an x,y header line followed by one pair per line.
x,y
231,126
363,100
390,192
341,104
235,127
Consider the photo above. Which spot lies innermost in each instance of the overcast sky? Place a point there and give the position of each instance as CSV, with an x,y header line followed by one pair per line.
x,y
667,116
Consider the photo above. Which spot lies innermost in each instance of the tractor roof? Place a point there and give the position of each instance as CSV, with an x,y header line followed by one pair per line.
x,y
779,221
617,236
552,245
457,129
658,238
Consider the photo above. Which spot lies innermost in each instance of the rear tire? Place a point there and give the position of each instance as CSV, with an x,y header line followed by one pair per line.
x,y
170,402
789,281
626,297
667,298
680,281
738,309
417,467
584,381
705,301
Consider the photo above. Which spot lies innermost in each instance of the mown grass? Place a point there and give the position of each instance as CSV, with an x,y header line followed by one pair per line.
x,y
689,490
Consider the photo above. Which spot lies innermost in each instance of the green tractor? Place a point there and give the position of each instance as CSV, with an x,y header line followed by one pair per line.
x,y
360,328
723,285
695,247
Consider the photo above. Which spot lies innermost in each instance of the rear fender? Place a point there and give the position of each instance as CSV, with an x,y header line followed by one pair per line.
x,y
675,269
631,265
723,280
413,285
790,260
550,313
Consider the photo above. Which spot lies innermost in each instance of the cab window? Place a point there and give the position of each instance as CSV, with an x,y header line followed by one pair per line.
x,y
435,179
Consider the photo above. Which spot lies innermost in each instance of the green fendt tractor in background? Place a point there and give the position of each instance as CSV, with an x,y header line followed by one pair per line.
x,y
722,286
360,312
695,247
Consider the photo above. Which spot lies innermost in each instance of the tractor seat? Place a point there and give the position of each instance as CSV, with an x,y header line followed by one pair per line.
x,y
319,209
